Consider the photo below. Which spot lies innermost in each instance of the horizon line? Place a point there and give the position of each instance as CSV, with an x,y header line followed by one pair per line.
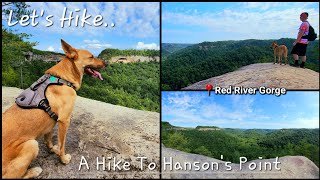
x,y
238,128
225,40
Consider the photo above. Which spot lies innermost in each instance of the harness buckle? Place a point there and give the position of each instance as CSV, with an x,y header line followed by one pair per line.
x,y
41,103
44,105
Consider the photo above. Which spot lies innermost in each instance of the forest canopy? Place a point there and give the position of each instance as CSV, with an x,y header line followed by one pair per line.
x,y
182,67
251,143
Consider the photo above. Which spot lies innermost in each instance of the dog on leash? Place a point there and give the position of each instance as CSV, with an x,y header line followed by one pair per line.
x,y
279,51
22,126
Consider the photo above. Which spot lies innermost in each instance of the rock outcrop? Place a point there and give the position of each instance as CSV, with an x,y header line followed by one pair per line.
x,y
291,167
29,56
101,130
132,59
267,75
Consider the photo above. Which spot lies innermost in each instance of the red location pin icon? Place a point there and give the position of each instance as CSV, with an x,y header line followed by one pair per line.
x,y
209,87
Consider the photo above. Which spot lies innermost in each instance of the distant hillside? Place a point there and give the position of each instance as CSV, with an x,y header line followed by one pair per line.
x,y
169,48
209,59
108,53
251,143
166,125
41,52
47,56
200,127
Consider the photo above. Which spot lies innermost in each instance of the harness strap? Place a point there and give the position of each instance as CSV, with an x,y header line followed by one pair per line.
x,y
66,83
44,104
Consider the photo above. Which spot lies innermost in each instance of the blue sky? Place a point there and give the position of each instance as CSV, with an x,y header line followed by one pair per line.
x,y
134,23
195,22
190,109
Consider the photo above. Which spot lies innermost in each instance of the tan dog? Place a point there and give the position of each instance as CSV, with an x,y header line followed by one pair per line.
x,y
279,51
21,127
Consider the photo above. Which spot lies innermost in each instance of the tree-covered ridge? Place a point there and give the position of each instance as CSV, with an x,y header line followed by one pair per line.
x,y
110,52
251,143
169,48
207,127
40,52
173,47
208,59
13,47
166,125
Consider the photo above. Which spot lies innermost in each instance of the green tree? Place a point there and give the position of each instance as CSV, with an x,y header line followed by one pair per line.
x,y
177,140
18,10
203,151
13,47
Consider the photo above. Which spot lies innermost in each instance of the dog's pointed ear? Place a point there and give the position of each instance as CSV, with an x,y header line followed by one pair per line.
x,y
70,52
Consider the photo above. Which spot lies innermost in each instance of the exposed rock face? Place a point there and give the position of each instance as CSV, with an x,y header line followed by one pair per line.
x,y
297,167
132,59
101,130
209,129
265,74
47,58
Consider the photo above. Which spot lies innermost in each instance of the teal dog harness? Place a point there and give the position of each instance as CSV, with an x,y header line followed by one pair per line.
x,y
35,95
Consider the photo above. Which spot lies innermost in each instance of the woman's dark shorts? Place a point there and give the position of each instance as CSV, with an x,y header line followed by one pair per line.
x,y
299,49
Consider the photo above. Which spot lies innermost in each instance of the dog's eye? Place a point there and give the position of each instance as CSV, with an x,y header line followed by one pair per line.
x,y
91,56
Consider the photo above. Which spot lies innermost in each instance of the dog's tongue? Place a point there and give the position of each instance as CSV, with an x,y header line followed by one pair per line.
x,y
96,74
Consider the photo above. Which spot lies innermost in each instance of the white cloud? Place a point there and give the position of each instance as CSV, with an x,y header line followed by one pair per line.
x,y
268,5
185,99
213,111
98,46
133,19
287,105
192,108
239,111
90,41
242,103
299,123
261,5
182,104
95,44
235,99
142,45
305,123
50,48
248,20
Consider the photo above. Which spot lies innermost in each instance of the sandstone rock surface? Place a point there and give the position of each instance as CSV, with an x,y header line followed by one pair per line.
x,y
267,75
